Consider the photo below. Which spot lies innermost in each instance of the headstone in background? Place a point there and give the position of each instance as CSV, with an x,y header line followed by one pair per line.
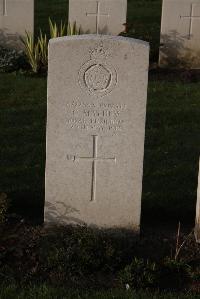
x,y
197,228
98,17
97,91
16,17
180,34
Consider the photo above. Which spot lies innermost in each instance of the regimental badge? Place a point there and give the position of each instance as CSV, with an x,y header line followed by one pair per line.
x,y
97,76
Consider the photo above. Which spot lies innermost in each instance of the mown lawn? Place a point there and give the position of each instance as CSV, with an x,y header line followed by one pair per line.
x,y
22,133
142,14
170,175
143,19
171,150
172,132
171,147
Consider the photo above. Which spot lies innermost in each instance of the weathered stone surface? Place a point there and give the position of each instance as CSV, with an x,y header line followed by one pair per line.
x,y
97,90
16,17
180,34
197,228
98,17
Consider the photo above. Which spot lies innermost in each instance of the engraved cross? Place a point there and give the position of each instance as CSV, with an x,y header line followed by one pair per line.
x,y
97,15
4,8
94,159
192,17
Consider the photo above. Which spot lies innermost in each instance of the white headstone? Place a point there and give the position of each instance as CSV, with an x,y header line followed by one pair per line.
x,y
180,34
16,17
97,90
98,17
197,228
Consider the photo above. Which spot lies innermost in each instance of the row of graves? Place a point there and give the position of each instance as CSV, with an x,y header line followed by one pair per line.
x,y
179,43
96,112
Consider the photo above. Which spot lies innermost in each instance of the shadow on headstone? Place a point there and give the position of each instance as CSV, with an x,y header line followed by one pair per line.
x,y
54,215
10,40
104,30
174,53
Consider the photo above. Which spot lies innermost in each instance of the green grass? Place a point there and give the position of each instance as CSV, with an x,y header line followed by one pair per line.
x,y
170,163
22,135
47,292
143,16
171,147
140,12
55,9
172,132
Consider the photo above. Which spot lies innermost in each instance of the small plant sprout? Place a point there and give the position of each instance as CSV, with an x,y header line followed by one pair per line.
x,y
180,245
55,31
37,52
32,52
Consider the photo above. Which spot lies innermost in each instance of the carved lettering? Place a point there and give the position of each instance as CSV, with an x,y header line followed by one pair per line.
x,y
101,117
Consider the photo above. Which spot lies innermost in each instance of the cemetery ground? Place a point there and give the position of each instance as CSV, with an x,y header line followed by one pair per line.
x,y
35,263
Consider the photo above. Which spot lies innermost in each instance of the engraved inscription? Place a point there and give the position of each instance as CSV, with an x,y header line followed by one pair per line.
x,y
94,159
97,117
97,76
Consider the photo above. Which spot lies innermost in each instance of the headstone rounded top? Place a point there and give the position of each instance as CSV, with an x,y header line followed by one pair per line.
x,y
99,38
97,91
